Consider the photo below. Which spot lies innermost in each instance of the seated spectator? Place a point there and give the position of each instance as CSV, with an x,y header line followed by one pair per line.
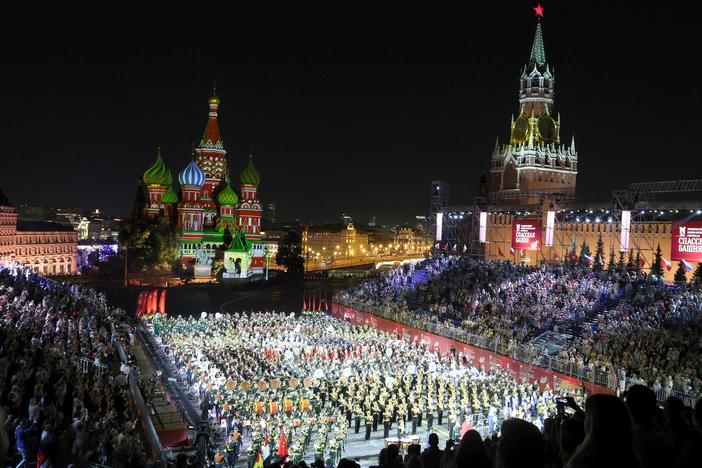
x,y
608,439
521,445
571,435
472,452
651,445
431,457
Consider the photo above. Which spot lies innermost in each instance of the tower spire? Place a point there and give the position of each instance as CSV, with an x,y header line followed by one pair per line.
x,y
538,52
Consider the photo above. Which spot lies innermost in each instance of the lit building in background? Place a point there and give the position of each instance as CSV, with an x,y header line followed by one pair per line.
x,y
271,214
47,247
329,242
409,240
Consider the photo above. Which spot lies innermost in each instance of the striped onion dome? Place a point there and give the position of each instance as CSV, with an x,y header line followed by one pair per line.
x,y
170,196
192,175
227,196
250,175
158,174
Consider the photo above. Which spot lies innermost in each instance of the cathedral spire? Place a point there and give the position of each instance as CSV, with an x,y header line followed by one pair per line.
x,y
538,52
212,139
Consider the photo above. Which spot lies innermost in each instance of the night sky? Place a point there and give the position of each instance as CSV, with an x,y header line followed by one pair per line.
x,y
350,112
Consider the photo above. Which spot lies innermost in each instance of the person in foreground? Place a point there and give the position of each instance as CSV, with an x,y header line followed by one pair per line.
x,y
608,436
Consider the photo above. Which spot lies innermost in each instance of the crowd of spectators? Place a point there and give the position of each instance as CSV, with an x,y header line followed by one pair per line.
x,y
622,323
654,334
63,399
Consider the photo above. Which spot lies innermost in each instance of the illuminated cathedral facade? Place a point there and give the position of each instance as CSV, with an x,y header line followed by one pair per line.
x,y
208,211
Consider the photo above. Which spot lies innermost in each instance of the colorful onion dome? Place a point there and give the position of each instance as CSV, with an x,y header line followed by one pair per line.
x,y
192,175
250,175
227,196
170,196
158,174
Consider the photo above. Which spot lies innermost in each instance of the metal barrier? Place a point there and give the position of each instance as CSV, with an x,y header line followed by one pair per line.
x,y
147,424
609,379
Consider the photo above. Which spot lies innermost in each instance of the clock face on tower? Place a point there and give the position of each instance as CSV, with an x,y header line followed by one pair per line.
x,y
547,128
520,130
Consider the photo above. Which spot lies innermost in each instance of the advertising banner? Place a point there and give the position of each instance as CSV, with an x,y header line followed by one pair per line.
x,y
686,241
526,234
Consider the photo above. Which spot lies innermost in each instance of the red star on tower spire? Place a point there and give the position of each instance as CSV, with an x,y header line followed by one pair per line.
x,y
539,10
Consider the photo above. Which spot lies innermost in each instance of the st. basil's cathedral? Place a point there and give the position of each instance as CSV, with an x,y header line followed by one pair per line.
x,y
208,207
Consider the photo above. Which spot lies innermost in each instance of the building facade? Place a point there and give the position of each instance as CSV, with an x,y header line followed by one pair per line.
x,y
327,243
206,207
47,247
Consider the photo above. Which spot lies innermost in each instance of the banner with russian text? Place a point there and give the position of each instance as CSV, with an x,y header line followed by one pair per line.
x,y
686,241
526,234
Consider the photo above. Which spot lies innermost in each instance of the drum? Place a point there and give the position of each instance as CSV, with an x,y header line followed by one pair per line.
x,y
390,441
405,442
415,440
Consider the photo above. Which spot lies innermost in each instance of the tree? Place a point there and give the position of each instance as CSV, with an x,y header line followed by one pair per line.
x,y
611,265
584,251
290,253
631,262
637,267
697,275
620,262
599,255
680,277
656,268
152,245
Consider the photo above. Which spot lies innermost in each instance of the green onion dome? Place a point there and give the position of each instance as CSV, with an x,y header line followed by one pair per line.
x,y
158,174
170,196
250,175
227,196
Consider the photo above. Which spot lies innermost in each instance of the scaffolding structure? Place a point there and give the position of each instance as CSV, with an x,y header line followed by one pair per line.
x,y
439,196
629,199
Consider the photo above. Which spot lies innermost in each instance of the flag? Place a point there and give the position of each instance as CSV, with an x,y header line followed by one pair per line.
x,y
642,261
140,307
454,247
499,251
554,255
465,247
162,302
572,257
304,301
589,260
266,448
259,460
283,446
446,247
511,250
688,266
437,245
665,263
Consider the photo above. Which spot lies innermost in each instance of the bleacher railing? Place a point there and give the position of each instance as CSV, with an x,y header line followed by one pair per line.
x,y
148,426
610,379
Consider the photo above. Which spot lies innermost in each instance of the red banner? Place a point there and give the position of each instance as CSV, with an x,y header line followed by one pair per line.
x,y
686,241
526,234
477,357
